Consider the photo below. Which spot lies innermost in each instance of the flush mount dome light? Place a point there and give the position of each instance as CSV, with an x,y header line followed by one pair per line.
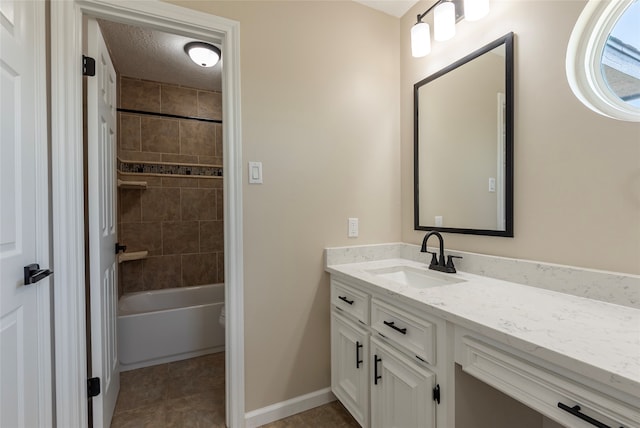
x,y
203,54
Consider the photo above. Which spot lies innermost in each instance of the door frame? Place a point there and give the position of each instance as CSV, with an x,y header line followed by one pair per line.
x,y
68,199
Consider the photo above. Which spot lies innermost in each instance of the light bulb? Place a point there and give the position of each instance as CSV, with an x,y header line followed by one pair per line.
x,y
475,9
420,40
444,21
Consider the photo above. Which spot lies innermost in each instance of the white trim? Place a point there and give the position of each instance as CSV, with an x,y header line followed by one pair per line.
x,y
288,408
67,188
43,218
68,216
584,54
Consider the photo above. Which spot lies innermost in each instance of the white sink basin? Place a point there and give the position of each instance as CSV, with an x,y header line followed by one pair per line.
x,y
415,277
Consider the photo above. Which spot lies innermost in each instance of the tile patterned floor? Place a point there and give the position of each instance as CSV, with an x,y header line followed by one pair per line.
x,y
331,415
187,393
190,393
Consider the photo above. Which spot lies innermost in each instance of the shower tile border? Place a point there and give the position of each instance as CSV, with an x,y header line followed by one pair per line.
x,y
150,168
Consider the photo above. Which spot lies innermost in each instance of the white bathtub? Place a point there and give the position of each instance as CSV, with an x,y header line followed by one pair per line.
x,y
156,327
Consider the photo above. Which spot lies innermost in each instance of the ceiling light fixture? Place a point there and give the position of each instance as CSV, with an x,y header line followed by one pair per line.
x,y
203,54
446,14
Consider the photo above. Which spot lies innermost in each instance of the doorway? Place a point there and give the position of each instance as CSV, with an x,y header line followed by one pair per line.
x,y
68,202
167,161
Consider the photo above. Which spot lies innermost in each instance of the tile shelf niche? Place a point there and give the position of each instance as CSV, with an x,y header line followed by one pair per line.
x,y
132,184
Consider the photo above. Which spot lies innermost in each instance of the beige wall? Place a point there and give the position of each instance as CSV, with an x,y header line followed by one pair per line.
x,y
577,174
479,405
320,109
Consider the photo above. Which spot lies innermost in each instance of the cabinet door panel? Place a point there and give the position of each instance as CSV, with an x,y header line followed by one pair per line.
x,y
402,396
350,367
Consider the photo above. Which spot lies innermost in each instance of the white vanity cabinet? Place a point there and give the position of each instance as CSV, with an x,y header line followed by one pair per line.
x,y
572,359
350,366
575,401
401,392
382,360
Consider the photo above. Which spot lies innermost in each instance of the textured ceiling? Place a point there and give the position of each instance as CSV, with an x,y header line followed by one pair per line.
x,y
149,54
395,8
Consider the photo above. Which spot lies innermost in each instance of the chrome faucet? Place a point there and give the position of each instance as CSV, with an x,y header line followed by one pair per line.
x,y
436,264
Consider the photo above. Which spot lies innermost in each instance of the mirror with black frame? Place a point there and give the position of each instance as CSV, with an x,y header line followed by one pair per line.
x,y
463,144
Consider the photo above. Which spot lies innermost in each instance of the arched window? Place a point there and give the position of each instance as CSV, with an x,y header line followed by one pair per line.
x,y
603,58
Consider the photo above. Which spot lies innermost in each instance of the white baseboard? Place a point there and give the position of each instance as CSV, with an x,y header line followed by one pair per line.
x,y
281,410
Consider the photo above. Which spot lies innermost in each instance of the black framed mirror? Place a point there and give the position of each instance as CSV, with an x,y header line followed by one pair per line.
x,y
463,144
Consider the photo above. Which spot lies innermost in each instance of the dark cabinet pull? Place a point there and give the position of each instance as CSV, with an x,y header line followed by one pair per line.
x,y
344,299
393,326
33,273
575,411
376,376
358,360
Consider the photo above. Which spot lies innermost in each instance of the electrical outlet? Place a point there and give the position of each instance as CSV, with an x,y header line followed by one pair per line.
x,y
353,228
438,221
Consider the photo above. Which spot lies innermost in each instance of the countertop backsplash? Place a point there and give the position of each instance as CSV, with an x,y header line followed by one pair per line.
x,y
612,287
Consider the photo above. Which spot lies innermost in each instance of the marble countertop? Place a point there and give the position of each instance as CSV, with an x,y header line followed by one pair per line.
x,y
598,340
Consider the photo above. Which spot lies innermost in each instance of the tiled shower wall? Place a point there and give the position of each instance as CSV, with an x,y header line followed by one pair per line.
x,y
178,220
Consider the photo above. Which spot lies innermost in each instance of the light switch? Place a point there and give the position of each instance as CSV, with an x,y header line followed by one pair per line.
x,y
255,172
492,184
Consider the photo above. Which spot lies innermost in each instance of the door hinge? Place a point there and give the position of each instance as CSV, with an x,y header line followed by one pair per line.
x,y
93,386
119,248
436,394
88,66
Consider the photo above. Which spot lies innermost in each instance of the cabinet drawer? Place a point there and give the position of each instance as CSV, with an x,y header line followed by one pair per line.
x,y
561,399
352,302
415,335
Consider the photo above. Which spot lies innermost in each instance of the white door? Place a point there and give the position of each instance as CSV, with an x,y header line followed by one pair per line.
x,y
350,367
101,128
401,391
25,317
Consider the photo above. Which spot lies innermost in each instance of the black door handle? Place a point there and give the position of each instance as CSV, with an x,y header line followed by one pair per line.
x,y
358,360
376,376
344,299
392,324
575,411
33,273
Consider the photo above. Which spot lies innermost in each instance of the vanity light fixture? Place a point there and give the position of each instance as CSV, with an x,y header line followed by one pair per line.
x,y
445,15
420,39
444,21
203,54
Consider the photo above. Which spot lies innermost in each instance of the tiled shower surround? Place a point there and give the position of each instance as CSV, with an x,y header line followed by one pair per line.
x,y
177,219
